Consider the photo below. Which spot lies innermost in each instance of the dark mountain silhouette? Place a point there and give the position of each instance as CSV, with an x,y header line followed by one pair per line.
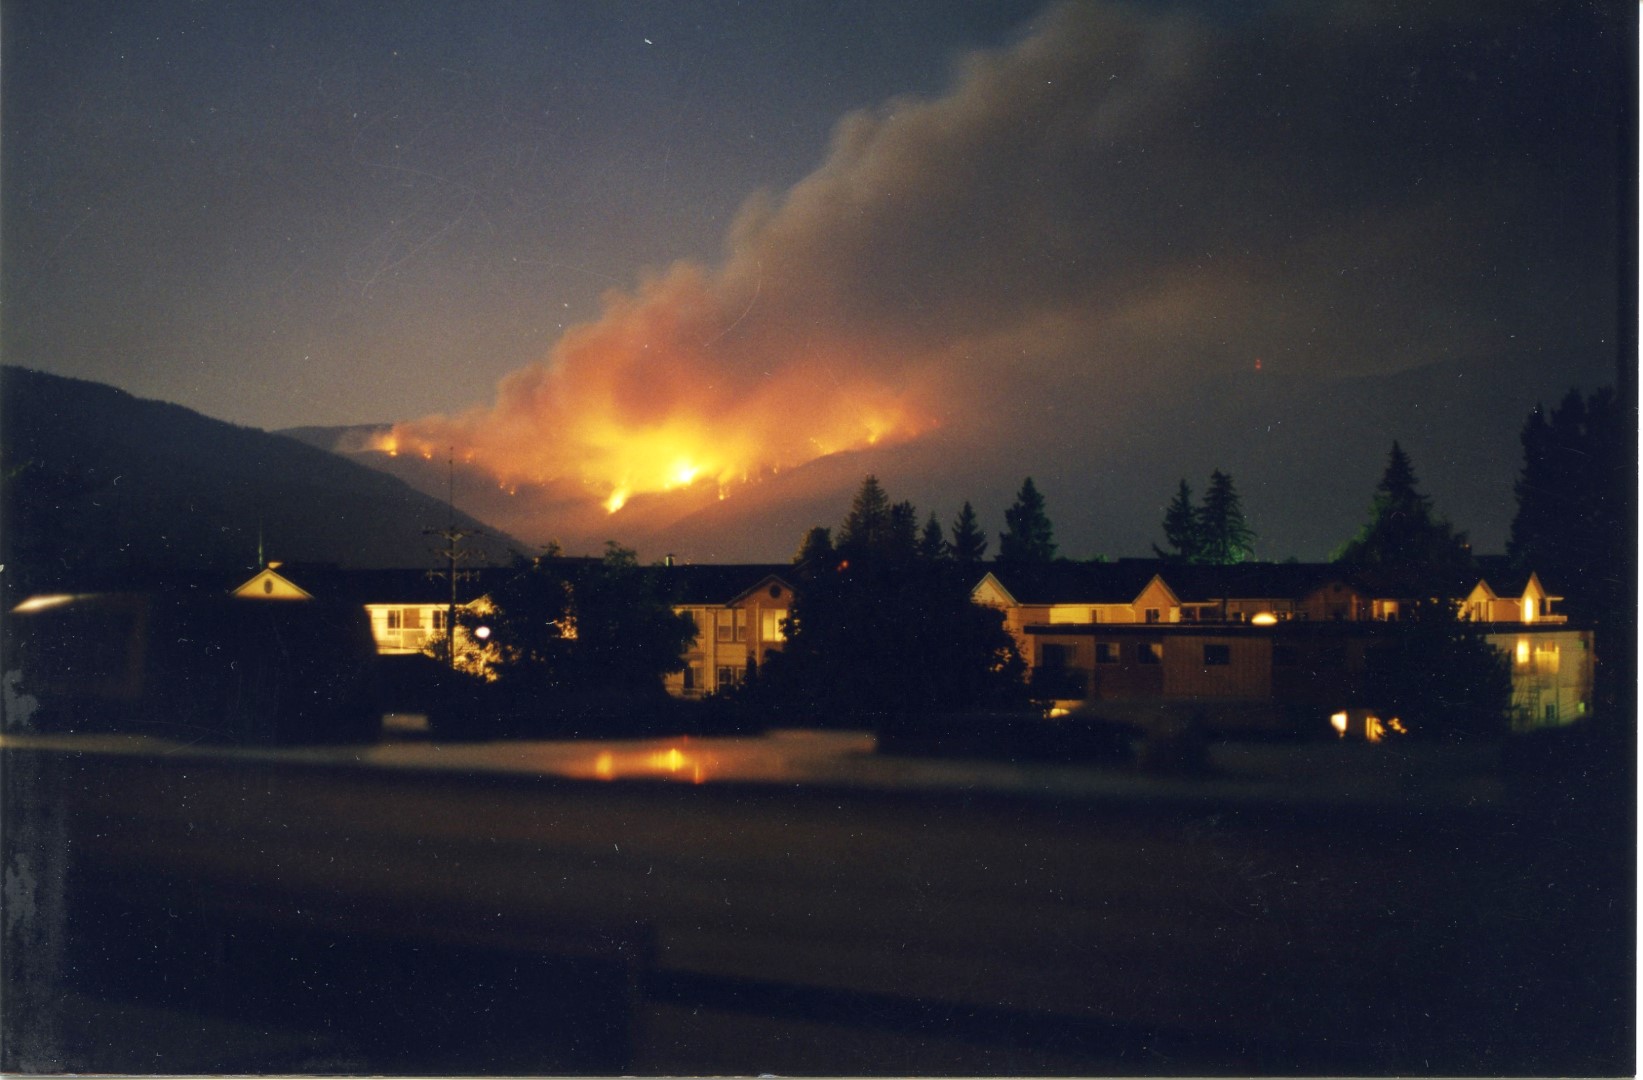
x,y
101,486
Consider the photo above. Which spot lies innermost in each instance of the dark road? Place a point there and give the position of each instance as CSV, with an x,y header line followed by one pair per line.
x,y
1003,919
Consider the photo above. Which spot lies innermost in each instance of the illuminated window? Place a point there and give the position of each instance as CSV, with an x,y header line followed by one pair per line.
x,y
772,626
1106,652
1150,652
411,618
1522,651
1217,655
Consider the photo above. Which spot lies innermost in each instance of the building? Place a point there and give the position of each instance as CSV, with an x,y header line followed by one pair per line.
x,y
741,616
1258,646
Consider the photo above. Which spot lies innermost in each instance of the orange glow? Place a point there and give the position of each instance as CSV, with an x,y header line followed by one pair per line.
x,y
669,763
657,396
1264,618
40,603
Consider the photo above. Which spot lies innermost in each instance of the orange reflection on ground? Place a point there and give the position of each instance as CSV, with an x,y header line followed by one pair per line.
x,y
640,762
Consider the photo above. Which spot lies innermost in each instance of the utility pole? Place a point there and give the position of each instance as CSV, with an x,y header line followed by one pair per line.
x,y
453,536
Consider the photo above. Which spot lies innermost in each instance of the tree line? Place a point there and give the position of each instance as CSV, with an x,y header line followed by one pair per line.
x,y
883,622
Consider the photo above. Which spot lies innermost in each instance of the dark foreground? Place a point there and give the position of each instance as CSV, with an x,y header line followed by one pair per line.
x,y
533,908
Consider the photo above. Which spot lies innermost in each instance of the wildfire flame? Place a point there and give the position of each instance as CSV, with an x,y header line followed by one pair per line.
x,y
657,396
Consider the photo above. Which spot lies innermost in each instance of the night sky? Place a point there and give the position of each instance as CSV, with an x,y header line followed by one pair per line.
x,y
710,263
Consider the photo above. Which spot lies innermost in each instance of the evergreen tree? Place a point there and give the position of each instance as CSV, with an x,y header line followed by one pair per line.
x,y
1029,537
932,546
884,633
1570,522
1181,529
901,534
1404,550
1223,536
817,546
1574,525
969,542
866,528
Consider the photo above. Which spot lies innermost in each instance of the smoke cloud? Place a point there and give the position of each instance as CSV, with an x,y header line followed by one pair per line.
x,y
1120,204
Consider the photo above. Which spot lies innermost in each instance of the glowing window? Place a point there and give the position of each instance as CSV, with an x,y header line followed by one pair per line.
x,y
772,626
1522,651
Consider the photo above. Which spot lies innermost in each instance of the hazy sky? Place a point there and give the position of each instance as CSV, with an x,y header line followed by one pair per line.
x,y
620,249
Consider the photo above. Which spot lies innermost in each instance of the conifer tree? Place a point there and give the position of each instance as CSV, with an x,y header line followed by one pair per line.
x,y
1223,536
817,546
866,526
969,544
1029,537
1404,546
901,534
932,545
1181,528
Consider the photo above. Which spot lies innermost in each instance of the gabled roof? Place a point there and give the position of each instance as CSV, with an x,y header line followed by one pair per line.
x,y
402,586
1075,583
1504,579
268,583
1254,581
722,583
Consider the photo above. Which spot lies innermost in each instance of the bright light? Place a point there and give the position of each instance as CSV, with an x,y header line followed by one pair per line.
x,y
40,603
483,633
1338,722
1372,729
617,500
1522,650
1528,609
1264,618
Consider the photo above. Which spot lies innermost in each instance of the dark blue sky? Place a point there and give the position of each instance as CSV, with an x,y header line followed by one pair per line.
x,y
959,242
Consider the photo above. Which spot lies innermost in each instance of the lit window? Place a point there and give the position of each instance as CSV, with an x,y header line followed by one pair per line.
x,y
772,626
1522,651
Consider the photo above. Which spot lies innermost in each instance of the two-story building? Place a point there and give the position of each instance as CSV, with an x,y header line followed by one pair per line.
x,y
1259,645
741,616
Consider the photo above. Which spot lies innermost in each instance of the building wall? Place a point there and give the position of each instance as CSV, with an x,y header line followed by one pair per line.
x,y
727,635
1552,673
406,628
